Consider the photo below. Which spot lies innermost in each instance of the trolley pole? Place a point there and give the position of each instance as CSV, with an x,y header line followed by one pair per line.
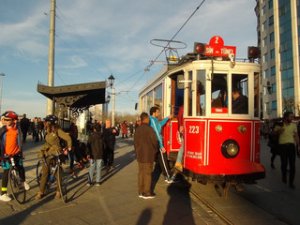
x,y
50,104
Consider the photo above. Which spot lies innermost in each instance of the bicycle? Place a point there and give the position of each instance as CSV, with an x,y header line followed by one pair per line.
x,y
15,183
55,174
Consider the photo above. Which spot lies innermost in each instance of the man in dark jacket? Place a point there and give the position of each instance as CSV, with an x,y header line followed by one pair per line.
x,y
95,153
109,138
239,102
24,125
146,145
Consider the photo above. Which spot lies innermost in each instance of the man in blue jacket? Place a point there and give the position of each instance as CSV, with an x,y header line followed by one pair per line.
x,y
162,156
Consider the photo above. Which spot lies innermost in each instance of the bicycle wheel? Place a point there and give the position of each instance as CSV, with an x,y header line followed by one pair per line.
x,y
38,171
17,186
62,181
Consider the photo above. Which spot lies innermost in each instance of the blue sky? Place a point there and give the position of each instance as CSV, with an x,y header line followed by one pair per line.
x,y
97,38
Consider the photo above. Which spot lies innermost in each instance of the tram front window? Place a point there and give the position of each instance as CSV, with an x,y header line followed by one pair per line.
x,y
239,94
219,94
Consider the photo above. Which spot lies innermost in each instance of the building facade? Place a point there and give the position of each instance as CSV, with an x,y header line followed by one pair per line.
x,y
278,38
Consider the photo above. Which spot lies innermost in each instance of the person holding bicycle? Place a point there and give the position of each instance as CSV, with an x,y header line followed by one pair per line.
x,y
50,149
10,142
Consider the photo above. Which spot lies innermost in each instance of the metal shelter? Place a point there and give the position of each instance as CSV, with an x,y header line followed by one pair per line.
x,y
75,98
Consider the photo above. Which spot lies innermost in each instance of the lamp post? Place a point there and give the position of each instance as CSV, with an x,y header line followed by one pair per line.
x,y
2,75
105,107
111,81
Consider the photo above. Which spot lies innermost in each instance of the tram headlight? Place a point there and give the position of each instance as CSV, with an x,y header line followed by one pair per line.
x,y
230,149
199,48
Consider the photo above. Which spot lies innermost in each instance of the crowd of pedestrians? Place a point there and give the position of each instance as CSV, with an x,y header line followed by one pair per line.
x,y
98,151
284,142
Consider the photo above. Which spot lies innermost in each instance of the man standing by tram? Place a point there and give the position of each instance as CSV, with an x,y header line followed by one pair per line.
x,y
288,137
162,155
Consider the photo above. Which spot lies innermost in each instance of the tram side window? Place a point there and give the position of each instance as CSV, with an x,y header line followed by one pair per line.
x,y
200,93
219,94
239,94
150,101
190,94
256,94
158,97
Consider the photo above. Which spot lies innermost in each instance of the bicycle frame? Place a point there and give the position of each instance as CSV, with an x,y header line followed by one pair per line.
x,y
55,170
15,183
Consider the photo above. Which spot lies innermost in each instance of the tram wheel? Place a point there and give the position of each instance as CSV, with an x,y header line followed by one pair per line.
x,y
17,186
222,189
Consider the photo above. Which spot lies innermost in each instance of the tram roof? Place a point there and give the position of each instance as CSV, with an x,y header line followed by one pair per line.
x,y
87,94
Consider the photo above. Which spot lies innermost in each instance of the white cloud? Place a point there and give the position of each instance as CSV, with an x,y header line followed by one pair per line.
x,y
74,62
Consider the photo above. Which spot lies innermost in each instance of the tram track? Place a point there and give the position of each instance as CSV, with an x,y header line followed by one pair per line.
x,y
207,204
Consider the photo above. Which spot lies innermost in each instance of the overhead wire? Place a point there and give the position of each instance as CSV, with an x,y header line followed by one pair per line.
x,y
61,15
167,45
169,41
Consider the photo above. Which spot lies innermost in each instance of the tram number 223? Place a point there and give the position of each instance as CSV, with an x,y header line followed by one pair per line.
x,y
194,129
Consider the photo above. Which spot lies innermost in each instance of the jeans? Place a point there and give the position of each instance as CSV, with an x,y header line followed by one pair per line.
x,y
180,153
95,164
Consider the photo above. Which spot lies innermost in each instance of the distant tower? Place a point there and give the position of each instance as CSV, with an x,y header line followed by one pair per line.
x,y
278,38
50,104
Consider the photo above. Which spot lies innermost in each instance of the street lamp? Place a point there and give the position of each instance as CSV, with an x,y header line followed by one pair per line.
x,y
111,81
2,75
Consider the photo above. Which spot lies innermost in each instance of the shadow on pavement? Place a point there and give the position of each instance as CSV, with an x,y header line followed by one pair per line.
x,y
179,209
145,217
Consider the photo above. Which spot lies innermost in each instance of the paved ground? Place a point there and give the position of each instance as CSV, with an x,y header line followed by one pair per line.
x,y
114,202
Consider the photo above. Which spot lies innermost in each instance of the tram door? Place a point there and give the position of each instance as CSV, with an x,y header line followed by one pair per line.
x,y
172,143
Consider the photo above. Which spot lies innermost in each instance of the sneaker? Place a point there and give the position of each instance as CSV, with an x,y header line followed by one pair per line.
x,y
140,195
89,184
57,195
26,186
169,181
5,198
178,166
39,195
98,184
148,196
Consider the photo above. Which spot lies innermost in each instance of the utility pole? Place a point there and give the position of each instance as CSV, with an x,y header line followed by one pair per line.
x,y
50,105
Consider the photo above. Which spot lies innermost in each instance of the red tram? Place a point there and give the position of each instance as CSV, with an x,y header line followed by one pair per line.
x,y
221,143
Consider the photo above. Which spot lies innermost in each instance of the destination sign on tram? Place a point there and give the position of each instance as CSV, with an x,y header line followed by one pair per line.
x,y
217,48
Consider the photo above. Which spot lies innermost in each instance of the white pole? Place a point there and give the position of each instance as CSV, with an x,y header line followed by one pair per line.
x,y
50,106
